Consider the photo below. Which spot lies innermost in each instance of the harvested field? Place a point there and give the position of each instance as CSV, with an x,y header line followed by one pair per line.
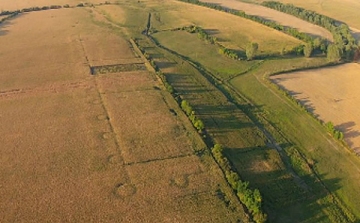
x,y
330,93
28,62
346,11
111,147
20,4
273,15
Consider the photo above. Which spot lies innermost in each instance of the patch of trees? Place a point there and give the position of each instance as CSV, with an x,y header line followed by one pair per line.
x,y
197,123
337,134
341,32
228,53
9,15
250,198
202,34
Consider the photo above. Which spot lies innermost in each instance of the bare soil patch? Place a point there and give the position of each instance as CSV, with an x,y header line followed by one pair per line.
x,y
330,93
273,15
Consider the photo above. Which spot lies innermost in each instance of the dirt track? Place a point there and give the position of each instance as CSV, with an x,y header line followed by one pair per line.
x,y
332,94
279,17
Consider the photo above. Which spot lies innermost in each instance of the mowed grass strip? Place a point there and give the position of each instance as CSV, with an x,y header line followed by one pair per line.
x,y
337,168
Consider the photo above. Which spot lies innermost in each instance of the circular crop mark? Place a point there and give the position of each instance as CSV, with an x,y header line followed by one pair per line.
x,y
115,159
96,102
124,190
102,117
107,135
180,181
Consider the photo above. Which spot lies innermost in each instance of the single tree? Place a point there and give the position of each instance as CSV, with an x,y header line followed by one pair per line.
x,y
251,50
333,53
308,50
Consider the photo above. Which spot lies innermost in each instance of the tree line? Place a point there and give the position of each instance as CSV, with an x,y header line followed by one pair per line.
x,y
251,198
343,39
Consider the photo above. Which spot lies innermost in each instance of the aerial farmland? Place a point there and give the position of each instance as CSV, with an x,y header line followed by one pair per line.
x,y
178,111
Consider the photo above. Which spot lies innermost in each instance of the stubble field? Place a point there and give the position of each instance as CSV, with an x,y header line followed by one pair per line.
x,y
111,147
331,94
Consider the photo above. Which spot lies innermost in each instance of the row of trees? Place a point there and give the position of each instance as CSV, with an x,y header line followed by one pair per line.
x,y
32,9
250,198
251,49
343,38
334,132
198,124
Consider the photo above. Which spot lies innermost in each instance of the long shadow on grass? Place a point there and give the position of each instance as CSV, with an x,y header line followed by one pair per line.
x,y
284,199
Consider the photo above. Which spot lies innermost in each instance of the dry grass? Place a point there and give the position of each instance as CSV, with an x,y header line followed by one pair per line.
x,y
20,4
34,55
101,148
332,94
279,17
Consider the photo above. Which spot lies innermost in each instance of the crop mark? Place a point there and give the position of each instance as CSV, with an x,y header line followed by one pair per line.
x,y
114,159
117,68
159,159
108,135
180,181
102,117
124,190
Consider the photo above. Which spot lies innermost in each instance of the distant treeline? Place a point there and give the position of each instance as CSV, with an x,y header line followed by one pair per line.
x,y
36,8
340,31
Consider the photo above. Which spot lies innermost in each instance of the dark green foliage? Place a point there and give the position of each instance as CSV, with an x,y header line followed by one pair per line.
x,y
334,132
201,34
229,53
198,124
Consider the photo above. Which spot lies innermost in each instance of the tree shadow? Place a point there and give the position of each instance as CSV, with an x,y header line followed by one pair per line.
x,y
212,31
164,64
223,118
8,22
349,134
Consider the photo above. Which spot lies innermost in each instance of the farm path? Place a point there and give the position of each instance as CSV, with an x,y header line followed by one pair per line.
x,y
273,15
